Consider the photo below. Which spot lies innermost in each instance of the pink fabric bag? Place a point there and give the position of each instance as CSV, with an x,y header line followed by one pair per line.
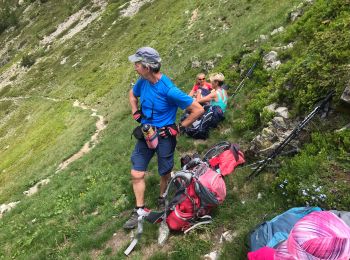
x,y
264,253
319,235
214,182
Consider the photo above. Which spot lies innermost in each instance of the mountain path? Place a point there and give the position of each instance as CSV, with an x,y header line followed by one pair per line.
x,y
101,124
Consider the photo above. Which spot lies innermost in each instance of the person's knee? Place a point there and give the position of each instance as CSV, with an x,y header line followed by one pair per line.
x,y
166,175
137,176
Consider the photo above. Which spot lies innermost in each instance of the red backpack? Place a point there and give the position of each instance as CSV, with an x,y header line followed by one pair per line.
x,y
200,187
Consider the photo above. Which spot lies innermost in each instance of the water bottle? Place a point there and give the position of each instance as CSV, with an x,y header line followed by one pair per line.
x,y
150,135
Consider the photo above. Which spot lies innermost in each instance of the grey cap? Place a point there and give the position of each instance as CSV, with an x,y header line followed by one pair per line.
x,y
146,54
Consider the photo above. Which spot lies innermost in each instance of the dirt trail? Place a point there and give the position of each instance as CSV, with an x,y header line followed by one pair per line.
x,y
100,126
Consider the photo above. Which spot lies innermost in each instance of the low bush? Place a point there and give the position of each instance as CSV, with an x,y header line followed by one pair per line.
x,y
27,61
318,176
8,18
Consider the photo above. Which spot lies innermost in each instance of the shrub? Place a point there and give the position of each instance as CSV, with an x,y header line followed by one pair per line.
x,y
27,61
8,18
318,175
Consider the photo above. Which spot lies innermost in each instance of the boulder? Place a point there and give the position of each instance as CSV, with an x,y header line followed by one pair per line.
x,y
271,61
274,65
278,30
295,14
279,123
212,256
270,57
346,94
196,64
282,111
7,207
270,108
268,134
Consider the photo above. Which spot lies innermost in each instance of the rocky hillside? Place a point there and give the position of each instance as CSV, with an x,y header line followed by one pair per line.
x,y
65,122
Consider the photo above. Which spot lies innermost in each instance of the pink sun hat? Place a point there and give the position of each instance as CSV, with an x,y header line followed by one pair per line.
x,y
319,235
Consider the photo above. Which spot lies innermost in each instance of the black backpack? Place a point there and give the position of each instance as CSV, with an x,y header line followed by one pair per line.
x,y
210,119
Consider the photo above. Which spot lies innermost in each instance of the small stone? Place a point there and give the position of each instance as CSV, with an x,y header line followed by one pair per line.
x,y
64,60
95,213
212,256
343,128
227,236
263,37
259,196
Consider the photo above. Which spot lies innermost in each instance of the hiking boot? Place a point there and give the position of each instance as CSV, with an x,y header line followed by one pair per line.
x,y
161,203
132,221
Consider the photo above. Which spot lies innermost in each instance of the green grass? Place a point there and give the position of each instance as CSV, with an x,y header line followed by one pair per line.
x,y
82,206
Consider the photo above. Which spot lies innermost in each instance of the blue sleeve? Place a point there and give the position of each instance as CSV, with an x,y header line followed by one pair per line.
x,y
137,88
179,98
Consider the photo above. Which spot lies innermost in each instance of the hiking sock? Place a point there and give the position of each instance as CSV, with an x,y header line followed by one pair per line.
x,y
142,207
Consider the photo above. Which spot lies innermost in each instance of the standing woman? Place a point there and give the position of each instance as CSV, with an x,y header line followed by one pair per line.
x,y
218,96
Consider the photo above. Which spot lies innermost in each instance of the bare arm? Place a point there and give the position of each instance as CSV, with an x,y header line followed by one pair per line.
x,y
195,110
207,98
133,102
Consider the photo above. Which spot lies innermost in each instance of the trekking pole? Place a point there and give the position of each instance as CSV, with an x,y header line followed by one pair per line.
x,y
241,84
291,136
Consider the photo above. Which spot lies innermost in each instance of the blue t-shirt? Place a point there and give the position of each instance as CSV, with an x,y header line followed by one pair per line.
x,y
159,101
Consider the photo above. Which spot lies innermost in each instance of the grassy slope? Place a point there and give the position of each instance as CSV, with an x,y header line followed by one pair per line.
x,y
61,221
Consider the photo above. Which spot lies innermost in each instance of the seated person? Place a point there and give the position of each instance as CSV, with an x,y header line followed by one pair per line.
x,y
201,87
218,97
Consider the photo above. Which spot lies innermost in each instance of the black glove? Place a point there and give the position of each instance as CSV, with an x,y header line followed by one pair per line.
x,y
168,131
137,116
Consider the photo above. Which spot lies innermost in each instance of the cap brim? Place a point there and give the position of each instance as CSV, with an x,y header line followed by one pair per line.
x,y
134,58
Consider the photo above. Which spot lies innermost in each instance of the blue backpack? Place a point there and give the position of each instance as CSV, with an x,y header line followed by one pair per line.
x,y
275,231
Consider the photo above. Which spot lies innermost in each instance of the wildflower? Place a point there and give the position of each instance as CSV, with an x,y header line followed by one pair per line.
x,y
281,185
322,196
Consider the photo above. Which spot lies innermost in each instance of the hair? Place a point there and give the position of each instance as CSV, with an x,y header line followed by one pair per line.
x,y
218,77
200,74
154,67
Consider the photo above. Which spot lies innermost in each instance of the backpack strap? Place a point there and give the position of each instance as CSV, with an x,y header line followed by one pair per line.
x,y
235,150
